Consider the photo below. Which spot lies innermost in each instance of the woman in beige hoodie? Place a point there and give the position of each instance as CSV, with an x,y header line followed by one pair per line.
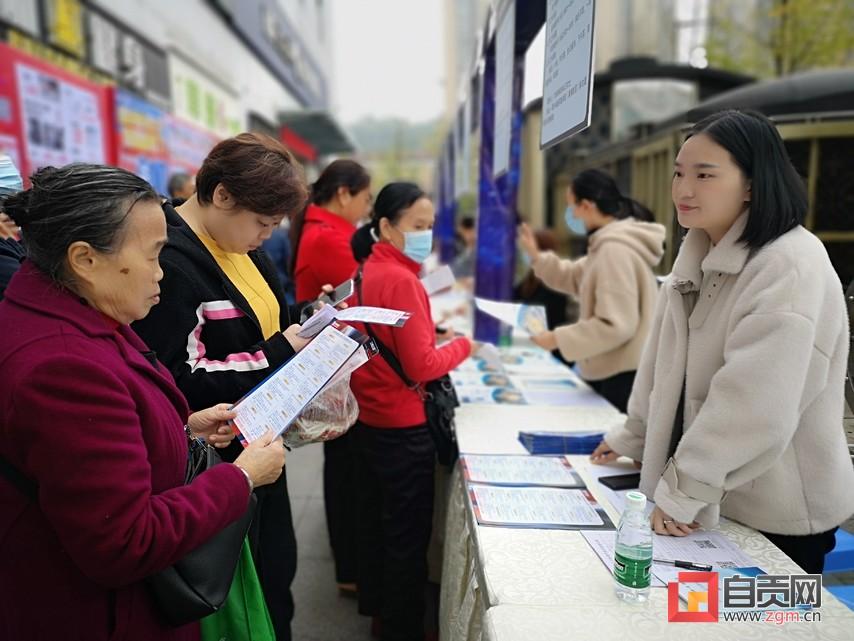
x,y
737,407
614,283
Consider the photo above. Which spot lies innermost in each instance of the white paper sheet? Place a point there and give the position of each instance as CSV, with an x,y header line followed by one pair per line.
x,y
365,314
533,361
531,318
510,469
564,398
527,362
359,358
482,395
320,319
704,547
439,280
480,379
560,383
489,354
535,507
376,315
277,401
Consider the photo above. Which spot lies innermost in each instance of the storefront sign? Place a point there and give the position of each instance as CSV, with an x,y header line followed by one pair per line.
x,y
267,28
201,101
21,14
39,50
133,62
64,24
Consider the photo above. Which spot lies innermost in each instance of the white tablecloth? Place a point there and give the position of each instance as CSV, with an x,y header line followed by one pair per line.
x,y
549,584
630,622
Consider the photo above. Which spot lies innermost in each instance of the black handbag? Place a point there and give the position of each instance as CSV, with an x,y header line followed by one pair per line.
x,y
198,584
439,396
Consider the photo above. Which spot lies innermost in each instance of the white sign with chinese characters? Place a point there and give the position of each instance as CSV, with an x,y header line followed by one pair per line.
x,y
505,54
568,69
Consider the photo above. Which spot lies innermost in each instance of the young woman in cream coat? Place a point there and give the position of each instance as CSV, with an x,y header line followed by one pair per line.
x,y
738,401
614,283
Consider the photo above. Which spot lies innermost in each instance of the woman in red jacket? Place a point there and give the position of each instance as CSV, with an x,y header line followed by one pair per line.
x,y
395,453
340,198
320,236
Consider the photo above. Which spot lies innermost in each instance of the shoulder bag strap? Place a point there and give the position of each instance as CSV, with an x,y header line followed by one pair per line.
x,y
386,353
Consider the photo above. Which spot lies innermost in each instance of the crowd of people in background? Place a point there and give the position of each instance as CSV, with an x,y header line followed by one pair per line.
x,y
132,322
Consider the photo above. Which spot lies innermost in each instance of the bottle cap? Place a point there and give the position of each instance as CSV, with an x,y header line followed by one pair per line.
x,y
635,500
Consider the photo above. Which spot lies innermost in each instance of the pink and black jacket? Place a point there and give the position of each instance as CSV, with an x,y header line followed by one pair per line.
x,y
204,330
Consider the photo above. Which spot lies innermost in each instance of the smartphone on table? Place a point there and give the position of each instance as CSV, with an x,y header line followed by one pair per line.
x,y
621,481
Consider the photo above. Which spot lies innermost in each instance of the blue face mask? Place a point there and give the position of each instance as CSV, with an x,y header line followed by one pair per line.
x,y
575,225
10,177
418,244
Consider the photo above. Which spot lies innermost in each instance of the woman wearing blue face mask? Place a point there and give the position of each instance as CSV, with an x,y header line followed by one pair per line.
x,y
614,283
394,451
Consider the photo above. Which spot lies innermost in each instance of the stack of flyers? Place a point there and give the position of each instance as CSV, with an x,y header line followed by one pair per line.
x,y
561,442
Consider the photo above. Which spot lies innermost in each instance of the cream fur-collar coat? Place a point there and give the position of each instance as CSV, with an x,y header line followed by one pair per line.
x,y
761,341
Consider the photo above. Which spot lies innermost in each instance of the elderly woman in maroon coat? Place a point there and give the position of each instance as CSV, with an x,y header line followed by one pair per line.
x,y
88,415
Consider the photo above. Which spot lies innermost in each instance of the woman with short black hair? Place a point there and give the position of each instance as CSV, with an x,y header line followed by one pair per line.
x,y
738,401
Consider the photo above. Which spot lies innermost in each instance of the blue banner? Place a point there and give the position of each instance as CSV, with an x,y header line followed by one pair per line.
x,y
497,217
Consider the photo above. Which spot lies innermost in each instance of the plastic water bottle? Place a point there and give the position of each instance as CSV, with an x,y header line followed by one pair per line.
x,y
633,551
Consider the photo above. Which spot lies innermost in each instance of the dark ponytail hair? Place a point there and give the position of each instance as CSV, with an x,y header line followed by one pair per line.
x,y
600,188
77,202
391,202
338,173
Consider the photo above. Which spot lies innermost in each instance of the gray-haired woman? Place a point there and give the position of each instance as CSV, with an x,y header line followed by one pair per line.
x,y
89,416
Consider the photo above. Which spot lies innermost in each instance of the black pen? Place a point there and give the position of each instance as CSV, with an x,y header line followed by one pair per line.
x,y
685,565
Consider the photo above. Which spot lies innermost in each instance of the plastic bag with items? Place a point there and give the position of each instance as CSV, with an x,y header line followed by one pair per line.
x,y
332,412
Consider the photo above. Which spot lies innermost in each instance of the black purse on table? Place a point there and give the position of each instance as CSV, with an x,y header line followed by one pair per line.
x,y
198,584
439,396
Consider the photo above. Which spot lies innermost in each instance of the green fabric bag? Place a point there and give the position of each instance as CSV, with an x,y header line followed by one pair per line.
x,y
243,616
